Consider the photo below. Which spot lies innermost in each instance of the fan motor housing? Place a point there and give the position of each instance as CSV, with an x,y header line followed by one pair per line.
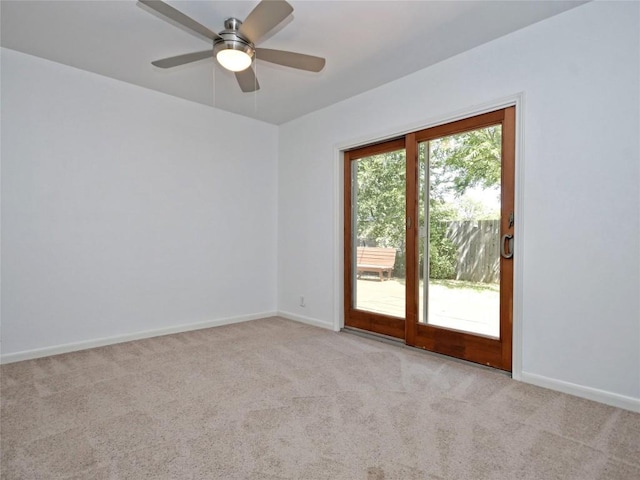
x,y
231,39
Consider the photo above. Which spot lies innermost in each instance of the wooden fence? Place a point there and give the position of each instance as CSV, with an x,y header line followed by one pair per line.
x,y
478,250
478,244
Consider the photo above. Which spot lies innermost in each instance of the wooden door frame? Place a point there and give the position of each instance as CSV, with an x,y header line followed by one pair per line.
x,y
374,322
476,348
514,355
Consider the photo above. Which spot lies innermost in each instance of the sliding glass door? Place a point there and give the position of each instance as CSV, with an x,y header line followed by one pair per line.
x,y
428,238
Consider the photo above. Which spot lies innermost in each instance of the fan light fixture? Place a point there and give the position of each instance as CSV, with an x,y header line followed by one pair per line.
x,y
234,60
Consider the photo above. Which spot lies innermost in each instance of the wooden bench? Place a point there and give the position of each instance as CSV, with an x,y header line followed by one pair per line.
x,y
377,260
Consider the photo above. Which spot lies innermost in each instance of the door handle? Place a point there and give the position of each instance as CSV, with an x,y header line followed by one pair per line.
x,y
506,239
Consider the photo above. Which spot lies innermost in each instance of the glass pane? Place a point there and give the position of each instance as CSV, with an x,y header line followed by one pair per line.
x,y
459,242
379,233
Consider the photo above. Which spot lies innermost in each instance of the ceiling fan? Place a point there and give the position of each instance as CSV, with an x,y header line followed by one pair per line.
x,y
234,47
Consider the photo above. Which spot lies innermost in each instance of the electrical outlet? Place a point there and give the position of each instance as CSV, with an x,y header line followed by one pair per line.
x,y
302,304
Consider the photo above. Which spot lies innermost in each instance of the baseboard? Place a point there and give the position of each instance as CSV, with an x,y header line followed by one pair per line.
x,y
602,396
101,342
308,320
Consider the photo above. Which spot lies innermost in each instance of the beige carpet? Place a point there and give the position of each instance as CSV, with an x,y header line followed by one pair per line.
x,y
274,399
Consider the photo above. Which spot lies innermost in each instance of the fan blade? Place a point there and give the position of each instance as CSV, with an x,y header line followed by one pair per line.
x,y
182,59
179,17
266,15
291,59
247,80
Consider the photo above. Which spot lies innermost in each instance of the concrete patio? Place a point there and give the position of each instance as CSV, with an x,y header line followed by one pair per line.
x,y
463,306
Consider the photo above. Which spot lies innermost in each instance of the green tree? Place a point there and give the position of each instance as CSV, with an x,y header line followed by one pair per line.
x,y
442,251
456,163
465,160
381,199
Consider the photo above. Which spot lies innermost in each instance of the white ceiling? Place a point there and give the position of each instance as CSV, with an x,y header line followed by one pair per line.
x,y
366,44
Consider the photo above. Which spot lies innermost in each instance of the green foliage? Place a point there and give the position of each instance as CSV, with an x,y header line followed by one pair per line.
x,y
457,163
465,160
442,251
381,199
442,260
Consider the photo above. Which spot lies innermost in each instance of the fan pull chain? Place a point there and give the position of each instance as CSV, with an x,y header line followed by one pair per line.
x,y
213,84
255,91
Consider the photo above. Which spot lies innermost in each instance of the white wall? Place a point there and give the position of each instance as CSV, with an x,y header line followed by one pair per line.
x,y
579,71
125,210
